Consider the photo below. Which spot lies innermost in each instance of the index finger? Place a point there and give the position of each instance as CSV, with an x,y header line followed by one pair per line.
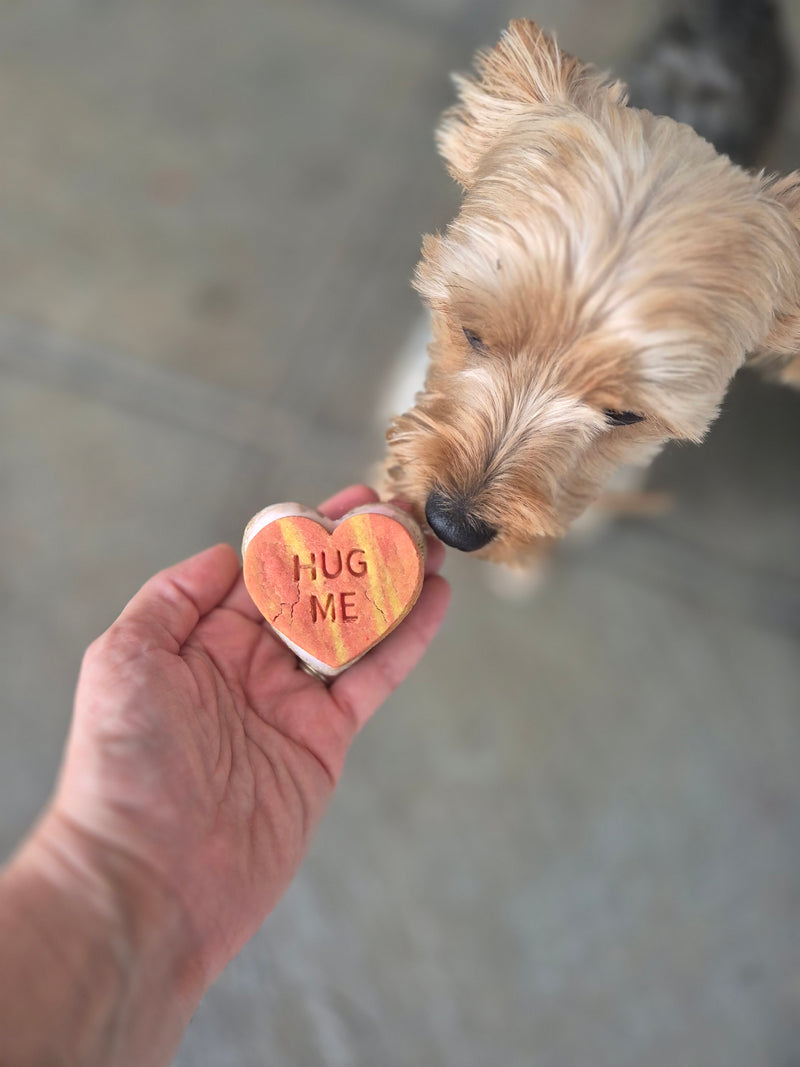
x,y
347,499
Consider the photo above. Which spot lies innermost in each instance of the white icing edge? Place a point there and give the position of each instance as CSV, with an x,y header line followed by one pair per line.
x,y
290,510
399,515
312,661
281,511
273,512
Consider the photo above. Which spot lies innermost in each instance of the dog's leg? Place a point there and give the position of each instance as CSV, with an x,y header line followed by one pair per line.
x,y
790,373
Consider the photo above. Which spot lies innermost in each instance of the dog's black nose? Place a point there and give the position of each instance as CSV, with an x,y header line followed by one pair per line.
x,y
451,521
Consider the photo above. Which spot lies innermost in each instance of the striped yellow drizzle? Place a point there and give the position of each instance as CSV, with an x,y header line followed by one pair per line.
x,y
382,593
296,543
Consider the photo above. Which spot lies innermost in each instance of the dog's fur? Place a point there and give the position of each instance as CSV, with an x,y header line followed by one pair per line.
x,y
604,260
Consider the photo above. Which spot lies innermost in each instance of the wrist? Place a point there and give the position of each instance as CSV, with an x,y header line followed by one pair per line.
x,y
99,965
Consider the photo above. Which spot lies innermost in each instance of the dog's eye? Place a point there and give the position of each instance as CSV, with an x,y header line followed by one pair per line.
x,y
622,418
474,340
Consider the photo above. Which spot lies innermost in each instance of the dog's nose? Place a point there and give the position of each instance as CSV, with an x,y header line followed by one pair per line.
x,y
452,523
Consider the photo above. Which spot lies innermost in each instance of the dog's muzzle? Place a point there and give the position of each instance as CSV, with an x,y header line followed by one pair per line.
x,y
452,522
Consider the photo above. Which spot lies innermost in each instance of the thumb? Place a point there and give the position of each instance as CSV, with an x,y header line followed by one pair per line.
x,y
174,600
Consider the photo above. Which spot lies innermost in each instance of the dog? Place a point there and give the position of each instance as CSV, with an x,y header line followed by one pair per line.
x,y
720,66
607,275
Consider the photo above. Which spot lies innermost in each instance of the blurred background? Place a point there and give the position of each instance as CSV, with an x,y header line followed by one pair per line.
x,y
573,839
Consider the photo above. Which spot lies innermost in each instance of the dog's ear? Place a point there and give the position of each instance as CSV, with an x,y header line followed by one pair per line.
x,y
526,70
780,349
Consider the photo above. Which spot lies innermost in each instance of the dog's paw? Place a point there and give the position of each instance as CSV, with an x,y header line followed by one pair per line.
x,y
519,584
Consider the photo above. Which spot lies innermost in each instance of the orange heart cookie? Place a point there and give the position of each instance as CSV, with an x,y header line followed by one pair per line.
x,y
331,590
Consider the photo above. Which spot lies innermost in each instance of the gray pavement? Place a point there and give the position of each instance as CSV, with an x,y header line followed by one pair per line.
x,y
573,840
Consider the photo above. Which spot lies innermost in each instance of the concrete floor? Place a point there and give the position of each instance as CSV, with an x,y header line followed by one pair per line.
x,y
573,840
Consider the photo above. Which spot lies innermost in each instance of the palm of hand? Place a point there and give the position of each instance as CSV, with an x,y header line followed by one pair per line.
x,y
214,767
201,752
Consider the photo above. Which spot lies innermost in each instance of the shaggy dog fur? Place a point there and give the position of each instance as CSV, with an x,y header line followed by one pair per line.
x,y
607,275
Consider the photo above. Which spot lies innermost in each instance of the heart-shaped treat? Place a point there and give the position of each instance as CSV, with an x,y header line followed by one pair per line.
x,y
331,590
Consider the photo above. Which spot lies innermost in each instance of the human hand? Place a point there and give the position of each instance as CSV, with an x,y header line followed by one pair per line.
x,y
202,757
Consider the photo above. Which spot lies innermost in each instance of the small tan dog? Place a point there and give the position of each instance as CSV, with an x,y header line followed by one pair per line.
x,y
607,275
